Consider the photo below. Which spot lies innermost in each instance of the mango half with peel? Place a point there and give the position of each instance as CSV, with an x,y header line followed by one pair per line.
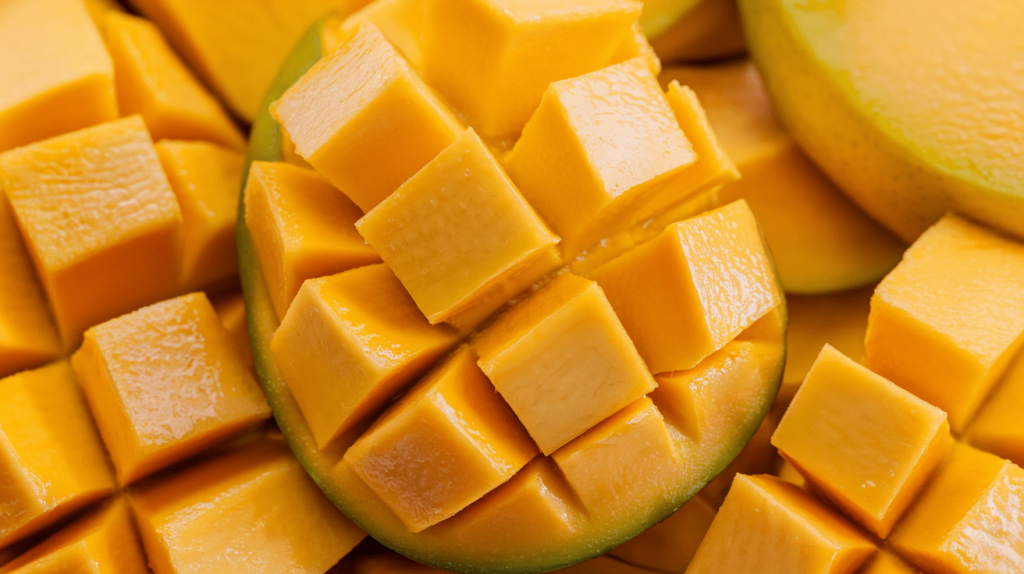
x,y
488,397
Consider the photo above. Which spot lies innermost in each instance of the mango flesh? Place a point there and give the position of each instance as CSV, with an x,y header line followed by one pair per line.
x,y
997,428
694,30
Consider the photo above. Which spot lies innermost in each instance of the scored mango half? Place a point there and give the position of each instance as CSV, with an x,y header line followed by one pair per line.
x,y
539,334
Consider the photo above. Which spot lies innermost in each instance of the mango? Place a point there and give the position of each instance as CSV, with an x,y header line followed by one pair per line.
x,y
230,308
998,428
670,545
401,21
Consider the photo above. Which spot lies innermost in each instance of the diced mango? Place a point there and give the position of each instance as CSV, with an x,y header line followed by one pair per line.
x,y
206,179
636,45
57,75
351,341
768,526
562,361
886,563
691,290
970,517
166,382
597,147
385,126
999,427
251,511
231,311
52,462
947,321
457,230
102,542
670,545
790,474
301,227
401,21
867,444
447,443
99,219
493,59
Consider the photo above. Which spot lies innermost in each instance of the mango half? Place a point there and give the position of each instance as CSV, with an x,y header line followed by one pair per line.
x,y
456,475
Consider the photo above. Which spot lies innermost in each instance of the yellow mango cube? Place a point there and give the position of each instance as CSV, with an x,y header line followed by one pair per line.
x,y
401,21
670,545
52,461
562,361
767,526
58,77
99,219
457,230
230,309
351,341
948,320
999,427
636,45
206,179
691,290
301,227
153,82
385,126
596,148
865,443
494,58
102,542
252,510
970,517
166,382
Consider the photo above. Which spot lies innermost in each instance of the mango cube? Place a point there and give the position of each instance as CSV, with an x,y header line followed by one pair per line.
x,y
99,219
230,309
252,510
691,290
948,320
74,89
767,526
494,58
636,45
867,444
670,545
447,443
562,361
886,563
301,227
52,461
351,341
385,126
595,149
206,179
152,81
970,517
999,428
457,230
401,21
166,382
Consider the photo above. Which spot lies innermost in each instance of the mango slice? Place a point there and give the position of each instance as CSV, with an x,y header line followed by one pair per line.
x,y
256,501
153,82
166,382
99,219
349,342
941,337
768,526
970,517
206,179
867,444
52,461
363,155
75,87
102,542
998,428
459,229
670,545
302,228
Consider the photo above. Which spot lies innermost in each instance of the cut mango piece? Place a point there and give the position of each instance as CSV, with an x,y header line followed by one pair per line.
x,y
99,219
302,228
493,59
562,361
401,21
74,89
361,153
231,311
867,444
593,462
166,382
886,563
970,517
253,510
206,180
999,427
102,542
691,290
636,45
948,336
457,230
351,341
768,526
596,148
758,456
670,545
790,474
52,462
443,446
